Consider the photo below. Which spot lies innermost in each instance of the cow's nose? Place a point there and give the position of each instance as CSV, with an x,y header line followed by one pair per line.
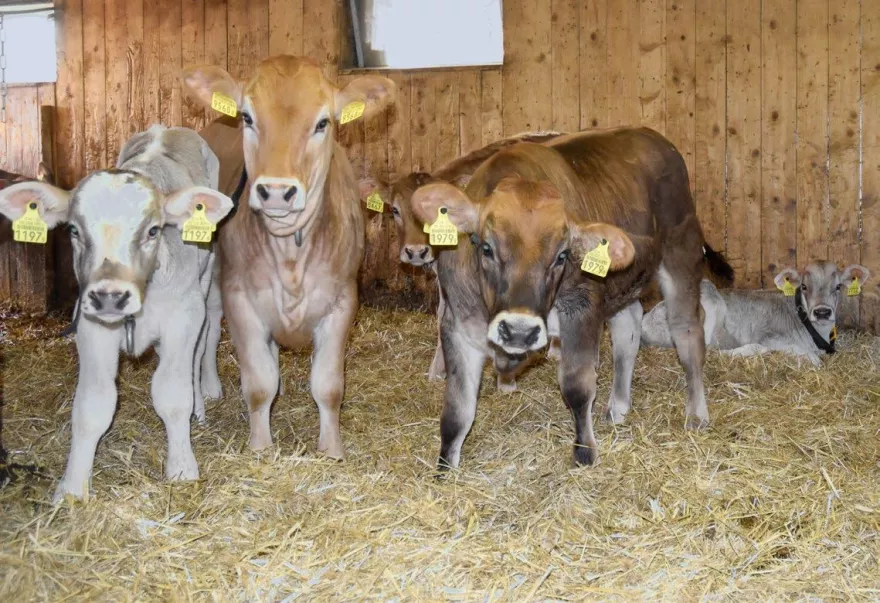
x,y
290,194
417,254
504,331
517,332
109,300
822,313
532,336
262,192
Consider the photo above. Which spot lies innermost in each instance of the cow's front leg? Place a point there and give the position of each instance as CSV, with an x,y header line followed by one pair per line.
x,y
328,372
464,364
554,349
173,393
211,386
93,403
579,339
625,327
259,366
437,371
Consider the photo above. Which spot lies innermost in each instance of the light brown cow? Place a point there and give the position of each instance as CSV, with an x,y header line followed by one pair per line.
x,y
290,255
533,211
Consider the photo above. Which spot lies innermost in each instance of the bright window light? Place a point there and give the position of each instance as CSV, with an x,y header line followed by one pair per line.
x,y
30,48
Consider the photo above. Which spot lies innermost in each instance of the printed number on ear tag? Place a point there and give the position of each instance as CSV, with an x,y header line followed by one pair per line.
x,y
854,288
375,203
198,229
788,289
597,261
352,111
224,104
30,228
442,231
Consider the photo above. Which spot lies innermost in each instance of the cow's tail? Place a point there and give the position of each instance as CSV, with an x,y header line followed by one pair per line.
x,y
718,264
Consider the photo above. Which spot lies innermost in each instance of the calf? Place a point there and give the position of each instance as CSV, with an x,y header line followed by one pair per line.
x,y
289,261
140,285
748,323
414,246
532,213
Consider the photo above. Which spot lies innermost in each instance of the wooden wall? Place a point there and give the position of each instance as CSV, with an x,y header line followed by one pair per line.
x,y
26,271
772,103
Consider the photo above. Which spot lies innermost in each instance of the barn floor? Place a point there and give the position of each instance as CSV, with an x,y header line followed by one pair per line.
x,y
779,499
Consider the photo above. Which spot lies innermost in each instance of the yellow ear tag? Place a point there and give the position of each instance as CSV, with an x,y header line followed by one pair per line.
x,y
597,261
854,288
352,111
442,231
224,104
788,289
198,229
375,203
30,228
833,335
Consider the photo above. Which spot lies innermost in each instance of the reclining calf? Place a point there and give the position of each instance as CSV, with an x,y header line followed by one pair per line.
x,y
749,323
140,285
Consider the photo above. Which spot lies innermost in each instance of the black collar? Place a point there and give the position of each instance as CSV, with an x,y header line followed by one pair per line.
x,y
825,346
236,196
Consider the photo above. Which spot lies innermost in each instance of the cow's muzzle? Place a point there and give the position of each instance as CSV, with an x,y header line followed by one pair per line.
x,y
518,333
417,255
823,314
111,300
278,197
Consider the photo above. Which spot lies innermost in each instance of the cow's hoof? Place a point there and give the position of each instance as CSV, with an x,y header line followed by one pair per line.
x,y
614,417
694,423
438,376
554,353
182,471
212,390
585,456
62,492
506,386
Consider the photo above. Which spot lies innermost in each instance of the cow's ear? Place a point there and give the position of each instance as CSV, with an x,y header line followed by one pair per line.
x,y
427,201
854,271
180,206
789,274
201,82
44,173
585,237
375,91
52,202
368,186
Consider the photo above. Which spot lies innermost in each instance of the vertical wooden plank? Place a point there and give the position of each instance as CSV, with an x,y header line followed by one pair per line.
x,y
321,31
69,91
399,147
134,14
681,78
192,52
812,128
623,63
94,75
490,105
843,120
652,64
46,106
870,86
565,67
170,47
258,30
117,91
594,64
285,27
215,40
446,116
237,39
469,129
744,141
153,57
527,73
423,129
778,161
711,117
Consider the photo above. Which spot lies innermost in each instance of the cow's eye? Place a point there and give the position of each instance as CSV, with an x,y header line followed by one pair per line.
x,y
837,288
487,250
803,287
153,232
562,257
247,119
395,211
74,231
322,125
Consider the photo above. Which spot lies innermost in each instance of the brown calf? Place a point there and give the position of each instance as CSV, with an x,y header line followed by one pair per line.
x,y
533,212
289,260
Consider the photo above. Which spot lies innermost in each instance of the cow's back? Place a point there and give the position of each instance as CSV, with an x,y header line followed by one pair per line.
x,y
172,158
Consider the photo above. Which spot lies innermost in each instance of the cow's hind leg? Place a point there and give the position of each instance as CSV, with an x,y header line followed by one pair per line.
x,y
259,367
328,373
680,285
576,371
625,327
465,363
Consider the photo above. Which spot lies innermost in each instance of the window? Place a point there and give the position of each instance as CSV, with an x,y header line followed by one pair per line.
x,y
416,34
30,47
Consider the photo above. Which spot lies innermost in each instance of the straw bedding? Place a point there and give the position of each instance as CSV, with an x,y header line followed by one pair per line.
x,y
779,499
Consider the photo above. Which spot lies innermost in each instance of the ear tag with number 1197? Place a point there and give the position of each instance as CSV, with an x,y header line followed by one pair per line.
x,y
198,229
30,228
597,260
442,231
